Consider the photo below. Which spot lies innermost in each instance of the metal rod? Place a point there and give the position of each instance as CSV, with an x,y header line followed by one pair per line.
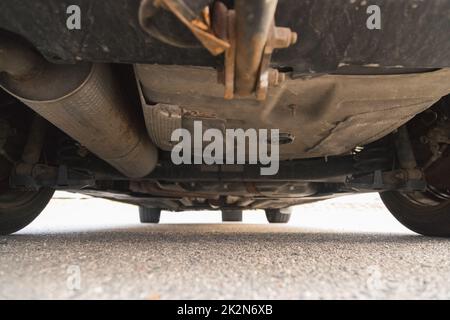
x,y
335,169
253,21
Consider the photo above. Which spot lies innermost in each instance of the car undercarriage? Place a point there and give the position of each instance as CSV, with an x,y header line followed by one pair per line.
x,y
90,105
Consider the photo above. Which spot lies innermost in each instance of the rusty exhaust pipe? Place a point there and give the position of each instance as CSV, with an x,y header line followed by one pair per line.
x,y
82,100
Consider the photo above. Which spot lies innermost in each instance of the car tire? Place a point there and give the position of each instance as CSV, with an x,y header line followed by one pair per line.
x,y
19,208
276,216
149,215
428,220
232,215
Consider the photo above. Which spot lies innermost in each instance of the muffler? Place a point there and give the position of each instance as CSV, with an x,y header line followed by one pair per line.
x,y
82,100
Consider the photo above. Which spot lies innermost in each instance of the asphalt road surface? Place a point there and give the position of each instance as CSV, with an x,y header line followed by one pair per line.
x,y
349,248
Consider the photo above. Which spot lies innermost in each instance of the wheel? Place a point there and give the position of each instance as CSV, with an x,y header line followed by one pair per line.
x,y
232,215
19,208
420,212
149,215
276,216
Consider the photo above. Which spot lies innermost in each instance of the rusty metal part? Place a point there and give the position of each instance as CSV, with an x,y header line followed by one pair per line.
x,y
198,25
225,28
247,35
253,21
220,20
252,35
85,102
279,38
230,56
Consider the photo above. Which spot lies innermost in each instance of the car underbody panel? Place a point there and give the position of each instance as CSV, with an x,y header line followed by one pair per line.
x,y
324,115
332,34
93,109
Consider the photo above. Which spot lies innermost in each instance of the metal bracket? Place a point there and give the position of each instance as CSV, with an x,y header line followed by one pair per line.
x,y
247,35
400,180
200,26
228,27
279,38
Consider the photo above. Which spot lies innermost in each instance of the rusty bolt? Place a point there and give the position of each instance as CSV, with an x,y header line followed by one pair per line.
x,y
294,38
276,77
283,38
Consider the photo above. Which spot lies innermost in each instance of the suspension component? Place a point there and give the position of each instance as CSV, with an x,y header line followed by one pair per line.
x,y
246,34
251,32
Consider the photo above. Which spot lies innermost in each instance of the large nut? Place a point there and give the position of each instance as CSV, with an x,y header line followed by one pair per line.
x,y
283,38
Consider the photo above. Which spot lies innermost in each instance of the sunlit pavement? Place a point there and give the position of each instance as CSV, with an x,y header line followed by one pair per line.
x,y
345,248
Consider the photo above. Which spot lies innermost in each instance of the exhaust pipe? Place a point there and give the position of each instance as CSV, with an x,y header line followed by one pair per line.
x,y
82,100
